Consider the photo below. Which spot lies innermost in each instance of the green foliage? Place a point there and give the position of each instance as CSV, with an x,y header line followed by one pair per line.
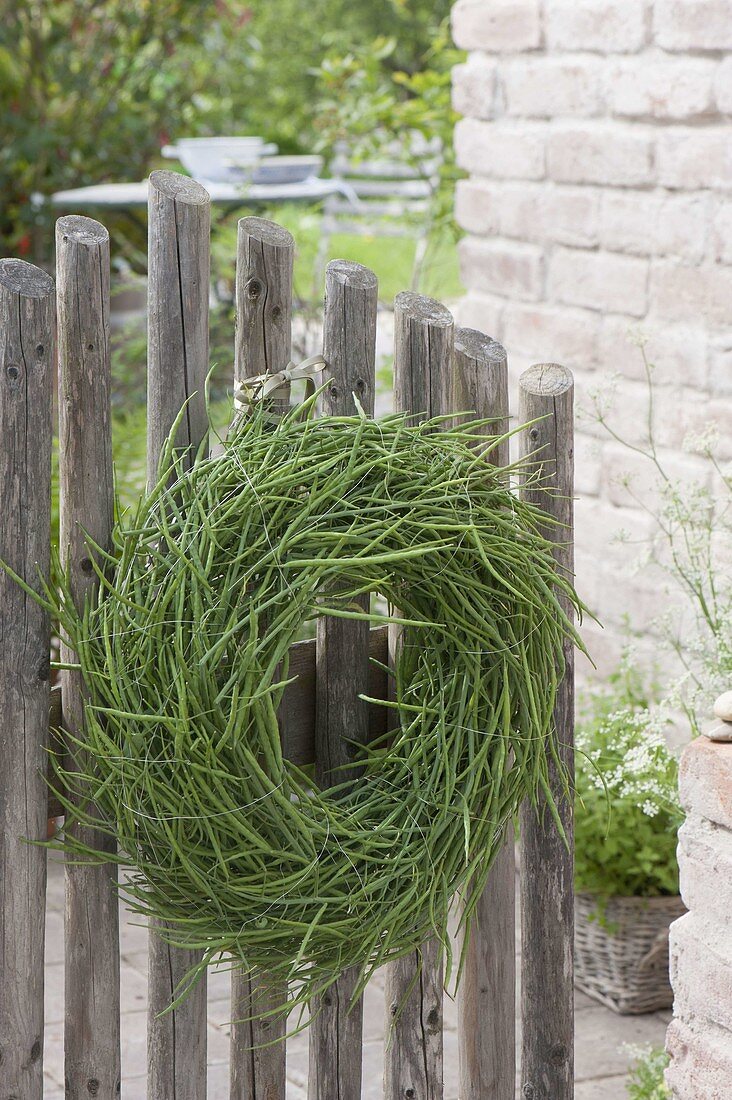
x,y
365,98
185,651
369,102
627,811
645,1079
89,90
266,71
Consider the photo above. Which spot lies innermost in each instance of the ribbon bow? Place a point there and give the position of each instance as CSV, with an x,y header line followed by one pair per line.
x,y
249,390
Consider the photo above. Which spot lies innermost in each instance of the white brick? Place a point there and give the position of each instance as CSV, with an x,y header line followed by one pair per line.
x,y
588,580
609,26
616,348
474,87
624,407
722,233
528,211
606,154
549,87
570,215
629,597
481,311
720,365
601,529
701,968
604,649
501,209
500,150
502,267
696,158
684,417
629,222
550,333
676,353
599,280
723,86
647,224
705,867
587,466
682,227
693,24
497,26
701,1061
705,780
477,206
630,479
673,88
520,211
683,292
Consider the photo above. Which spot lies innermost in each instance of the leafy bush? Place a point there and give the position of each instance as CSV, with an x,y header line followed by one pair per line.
x,y
627,809
369,101
266,72
645,1080
89,90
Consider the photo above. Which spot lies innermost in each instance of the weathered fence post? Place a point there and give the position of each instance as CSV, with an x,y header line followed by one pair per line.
x,y
349,349
86,505
413,1064
263,342
547,863
179,227
26,356
179,213
487,994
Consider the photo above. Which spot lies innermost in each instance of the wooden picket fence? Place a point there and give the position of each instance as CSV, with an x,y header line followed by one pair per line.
x,y
437,368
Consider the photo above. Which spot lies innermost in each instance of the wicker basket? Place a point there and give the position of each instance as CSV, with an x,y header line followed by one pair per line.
x,y
622,959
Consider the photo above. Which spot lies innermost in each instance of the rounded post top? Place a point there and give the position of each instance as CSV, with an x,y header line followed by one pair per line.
x,y
349,273
24,279
80,230
270,233
476,345
546,380
423,310
178,187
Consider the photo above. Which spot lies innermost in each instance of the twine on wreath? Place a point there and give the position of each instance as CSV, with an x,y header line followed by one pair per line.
x,y
247,391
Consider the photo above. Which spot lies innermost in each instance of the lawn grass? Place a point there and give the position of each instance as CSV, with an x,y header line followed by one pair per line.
x,y
391,258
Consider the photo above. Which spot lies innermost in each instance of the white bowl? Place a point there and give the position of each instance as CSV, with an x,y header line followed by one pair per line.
x,y
219,159
287,169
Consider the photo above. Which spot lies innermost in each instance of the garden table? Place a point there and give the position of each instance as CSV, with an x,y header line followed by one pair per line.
x,y
131,198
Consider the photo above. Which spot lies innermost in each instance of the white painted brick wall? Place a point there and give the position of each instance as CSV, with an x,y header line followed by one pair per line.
x,y
699,1039
597,135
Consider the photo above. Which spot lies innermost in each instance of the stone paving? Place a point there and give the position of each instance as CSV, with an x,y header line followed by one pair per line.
x,y
601,1035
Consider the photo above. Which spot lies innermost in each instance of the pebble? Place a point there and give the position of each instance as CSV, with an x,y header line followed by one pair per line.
x,y
723,707
720,732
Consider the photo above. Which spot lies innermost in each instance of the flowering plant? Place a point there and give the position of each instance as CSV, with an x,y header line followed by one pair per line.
x,y
689,546
627,808
645,1078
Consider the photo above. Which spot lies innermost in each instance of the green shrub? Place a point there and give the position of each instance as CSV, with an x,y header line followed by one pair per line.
x,y
89,90
627,810
266,73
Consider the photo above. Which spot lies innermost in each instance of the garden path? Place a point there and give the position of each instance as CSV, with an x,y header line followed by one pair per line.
x,y
601,1058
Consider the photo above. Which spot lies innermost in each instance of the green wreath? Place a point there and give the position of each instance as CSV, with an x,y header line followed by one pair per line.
x,y
184,654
